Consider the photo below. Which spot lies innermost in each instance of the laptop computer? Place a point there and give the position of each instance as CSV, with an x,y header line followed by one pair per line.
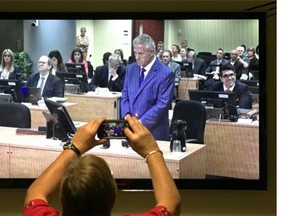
x,y
31,94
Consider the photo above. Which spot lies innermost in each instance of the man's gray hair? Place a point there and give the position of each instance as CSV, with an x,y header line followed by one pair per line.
x,y
146,40
115,58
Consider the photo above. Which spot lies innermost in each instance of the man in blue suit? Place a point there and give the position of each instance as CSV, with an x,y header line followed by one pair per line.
x,y
148,88
229,83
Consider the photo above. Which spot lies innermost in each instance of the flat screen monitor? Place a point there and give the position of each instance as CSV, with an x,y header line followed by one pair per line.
x,y
75,68
58,110
204,32
31,94
217,99
12,87
79,79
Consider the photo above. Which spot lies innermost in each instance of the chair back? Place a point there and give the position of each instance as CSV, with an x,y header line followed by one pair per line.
x,y
194,113
14,115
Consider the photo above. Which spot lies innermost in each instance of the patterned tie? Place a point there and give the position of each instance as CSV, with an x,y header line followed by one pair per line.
x,y
141,78
227,90
42,84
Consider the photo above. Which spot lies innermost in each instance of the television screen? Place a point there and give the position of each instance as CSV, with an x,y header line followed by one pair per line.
x,y
235,153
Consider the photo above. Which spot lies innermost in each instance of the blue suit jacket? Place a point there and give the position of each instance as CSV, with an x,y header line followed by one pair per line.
x,y
243,94
150,102
53,86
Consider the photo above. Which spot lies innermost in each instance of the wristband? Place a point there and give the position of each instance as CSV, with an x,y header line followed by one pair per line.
x,y
151,153
70,145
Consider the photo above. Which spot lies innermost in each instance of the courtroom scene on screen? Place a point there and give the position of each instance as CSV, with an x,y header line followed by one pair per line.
x,y
196,84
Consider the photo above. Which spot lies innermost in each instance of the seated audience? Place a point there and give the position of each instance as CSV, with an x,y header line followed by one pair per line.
x,y
8,68
110,75
212,71
121,54
86,184
254,62
184,44
77,58
175,53
175,68
56,61
183,54
230,84
244,60
237,64
51,86
160,48
198,65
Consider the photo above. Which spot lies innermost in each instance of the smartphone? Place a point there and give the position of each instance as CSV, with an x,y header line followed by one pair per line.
x,y
112,129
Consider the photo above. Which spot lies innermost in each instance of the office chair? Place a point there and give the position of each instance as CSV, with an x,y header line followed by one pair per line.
x,y
194,113
14,115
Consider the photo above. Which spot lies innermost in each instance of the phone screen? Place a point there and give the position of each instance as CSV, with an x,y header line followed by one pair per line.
x,y
112,129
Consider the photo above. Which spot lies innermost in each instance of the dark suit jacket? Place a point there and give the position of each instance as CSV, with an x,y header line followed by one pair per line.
x,y
53,86
15,74
151,101
213,64
243,94
199,67
238,67
100,79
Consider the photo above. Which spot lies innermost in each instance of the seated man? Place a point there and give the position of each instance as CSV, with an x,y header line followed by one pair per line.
x,y
230,84
51,86
110,75
198,65
175,68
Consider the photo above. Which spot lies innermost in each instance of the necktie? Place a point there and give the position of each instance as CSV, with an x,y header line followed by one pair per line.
x,y
110,83
227,90
141,78
42,84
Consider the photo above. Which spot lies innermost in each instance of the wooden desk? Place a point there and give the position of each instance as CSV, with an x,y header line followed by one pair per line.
x,y
26,156
185,84
91,106
232,149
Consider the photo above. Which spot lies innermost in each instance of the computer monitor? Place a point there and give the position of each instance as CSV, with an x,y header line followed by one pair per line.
x,y
79,79
75,68
253,85
12,87
31,94
217,99
58,110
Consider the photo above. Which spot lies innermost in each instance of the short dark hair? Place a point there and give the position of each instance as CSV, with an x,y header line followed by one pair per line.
x,y
226,67
106,56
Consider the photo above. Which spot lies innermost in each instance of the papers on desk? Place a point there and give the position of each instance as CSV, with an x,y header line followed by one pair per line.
x,y
57,99
104,92
52,143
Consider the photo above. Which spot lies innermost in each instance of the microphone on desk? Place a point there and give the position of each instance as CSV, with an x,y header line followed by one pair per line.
x,y
89,57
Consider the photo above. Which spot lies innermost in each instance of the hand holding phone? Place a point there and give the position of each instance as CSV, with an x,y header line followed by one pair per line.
x,y
112,129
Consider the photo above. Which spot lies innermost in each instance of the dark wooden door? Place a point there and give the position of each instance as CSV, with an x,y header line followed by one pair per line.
x,y
155,28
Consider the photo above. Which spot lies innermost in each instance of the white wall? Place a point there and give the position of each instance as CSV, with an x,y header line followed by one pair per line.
x,y
106,36
209,35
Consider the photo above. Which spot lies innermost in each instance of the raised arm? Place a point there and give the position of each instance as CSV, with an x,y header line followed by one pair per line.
x,y
165,190
49,181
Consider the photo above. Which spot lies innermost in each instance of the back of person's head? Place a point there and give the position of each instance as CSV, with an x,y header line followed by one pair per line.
x,y
106,56
145,40
88,187
8,52
226,67
57,55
